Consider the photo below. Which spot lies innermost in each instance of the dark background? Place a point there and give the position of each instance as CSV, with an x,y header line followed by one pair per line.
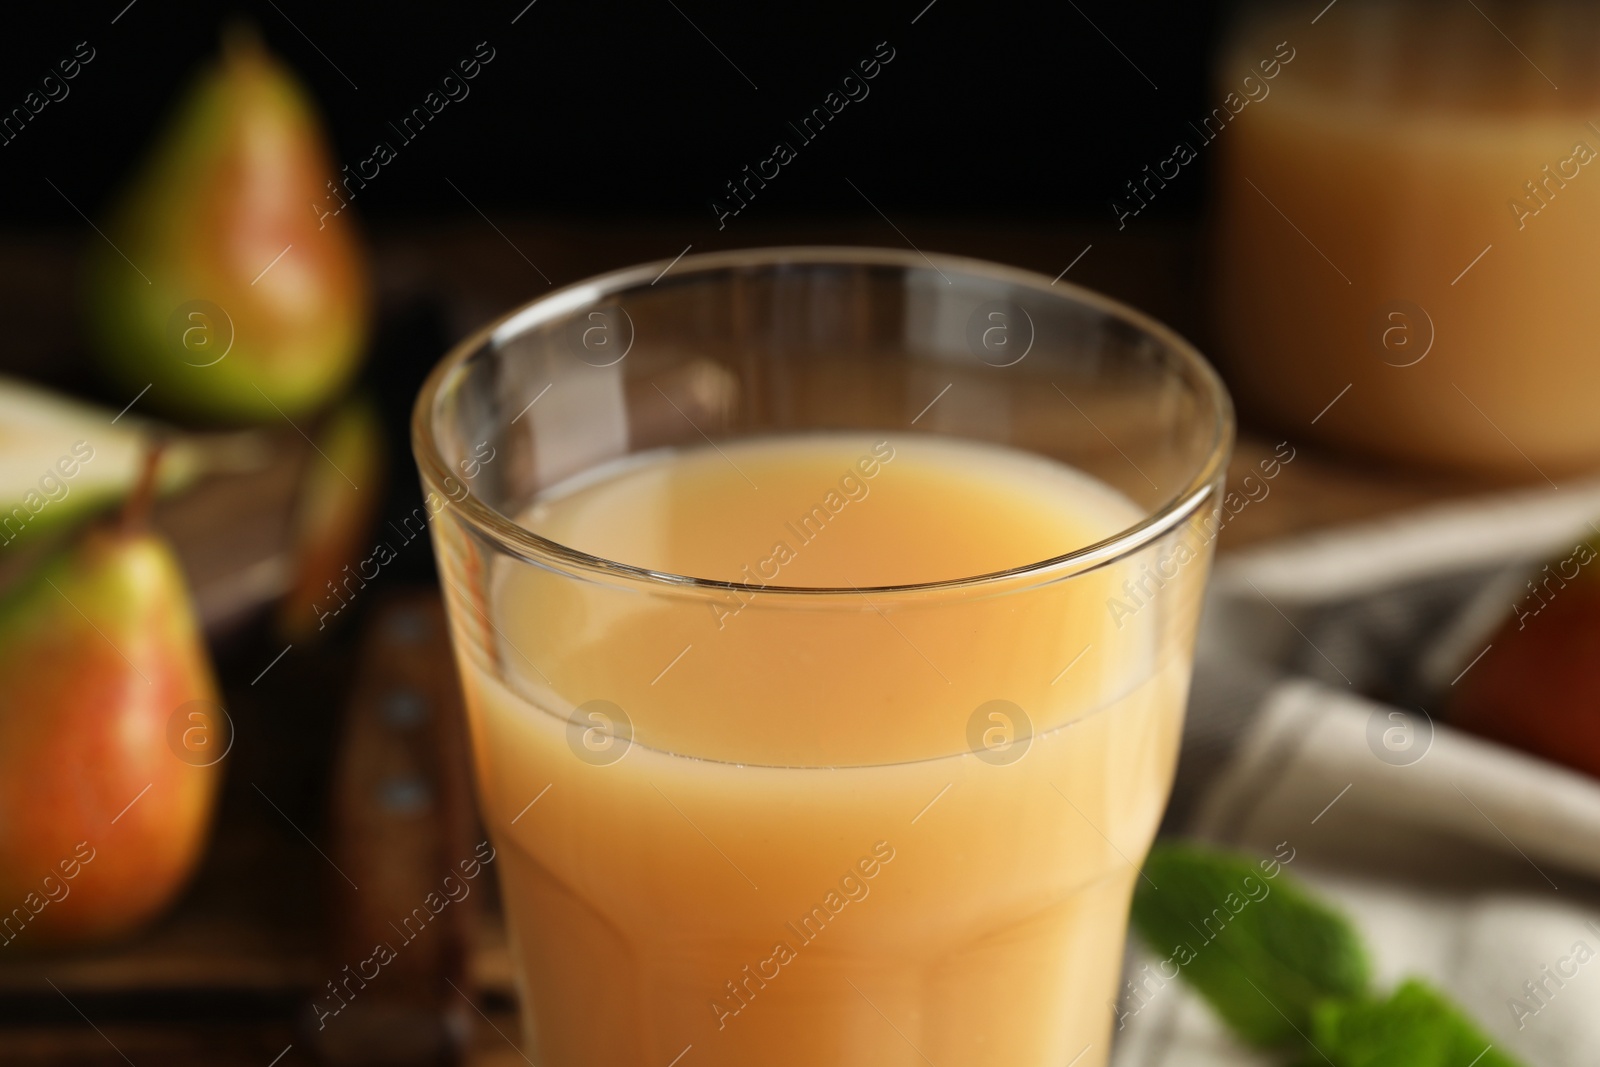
x,y
990,108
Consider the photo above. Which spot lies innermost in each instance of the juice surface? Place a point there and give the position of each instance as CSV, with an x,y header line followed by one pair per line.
x,y
851,827
852,511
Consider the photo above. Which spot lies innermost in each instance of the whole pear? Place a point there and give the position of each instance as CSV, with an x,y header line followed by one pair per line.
x,y
1537,685
107,704
233,291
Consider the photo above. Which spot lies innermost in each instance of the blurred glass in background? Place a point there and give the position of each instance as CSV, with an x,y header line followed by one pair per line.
x,y
1407,212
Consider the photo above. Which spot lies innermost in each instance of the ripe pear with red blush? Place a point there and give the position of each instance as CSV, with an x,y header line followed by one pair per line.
x,y
106,788
1537,687
244,294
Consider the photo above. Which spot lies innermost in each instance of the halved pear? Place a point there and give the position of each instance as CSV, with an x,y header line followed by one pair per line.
x,y
62,459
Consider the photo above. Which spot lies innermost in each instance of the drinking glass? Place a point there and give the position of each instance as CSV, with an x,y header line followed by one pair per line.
x,y
719,838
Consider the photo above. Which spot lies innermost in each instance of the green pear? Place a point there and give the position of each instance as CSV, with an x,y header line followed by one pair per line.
x,y
232,290
106,783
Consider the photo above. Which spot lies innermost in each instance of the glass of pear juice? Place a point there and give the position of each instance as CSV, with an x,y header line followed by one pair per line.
x,y
825,618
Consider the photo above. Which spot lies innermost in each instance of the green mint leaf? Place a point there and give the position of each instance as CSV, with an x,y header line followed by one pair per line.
x,y
1415,1027
1261,950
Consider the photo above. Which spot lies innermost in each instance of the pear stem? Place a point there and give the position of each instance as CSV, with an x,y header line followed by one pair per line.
x,y
135,517
240,41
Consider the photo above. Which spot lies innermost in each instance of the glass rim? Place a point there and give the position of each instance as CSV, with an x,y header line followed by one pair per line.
x,y
508,535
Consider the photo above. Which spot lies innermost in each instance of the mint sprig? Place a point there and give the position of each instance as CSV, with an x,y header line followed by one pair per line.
x,y
1258,947
1284,970
1415,1027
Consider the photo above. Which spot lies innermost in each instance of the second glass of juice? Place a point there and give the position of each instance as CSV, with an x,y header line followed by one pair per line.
x,y
826,620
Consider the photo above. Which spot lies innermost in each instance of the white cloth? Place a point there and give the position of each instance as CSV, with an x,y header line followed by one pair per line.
x,y
1461,862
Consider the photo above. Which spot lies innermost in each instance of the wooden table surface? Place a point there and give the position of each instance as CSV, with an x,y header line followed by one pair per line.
x,y
220,980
